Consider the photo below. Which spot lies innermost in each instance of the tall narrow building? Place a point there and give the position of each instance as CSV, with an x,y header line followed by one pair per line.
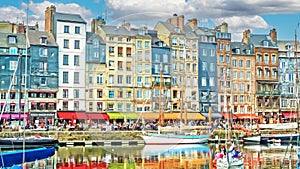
x,y
69,31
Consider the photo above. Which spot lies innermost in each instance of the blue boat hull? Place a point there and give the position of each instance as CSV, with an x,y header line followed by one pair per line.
x,y
29,143
12,158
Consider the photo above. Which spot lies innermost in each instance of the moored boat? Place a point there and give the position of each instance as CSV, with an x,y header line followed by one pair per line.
x,y
160,139
29,142
289,138
12,158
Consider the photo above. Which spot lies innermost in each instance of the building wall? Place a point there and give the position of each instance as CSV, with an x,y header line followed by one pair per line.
x,y
71,68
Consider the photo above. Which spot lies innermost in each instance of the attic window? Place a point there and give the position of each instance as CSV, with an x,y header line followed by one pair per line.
x,y
288,47
43,40
12,40
177,29
265,43
237,51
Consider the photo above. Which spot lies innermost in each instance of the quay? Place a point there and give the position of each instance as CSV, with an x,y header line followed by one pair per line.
x,y
102,143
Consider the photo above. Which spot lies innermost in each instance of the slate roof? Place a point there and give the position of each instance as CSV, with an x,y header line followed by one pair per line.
x,y
34,37
64,17
116,31
21,40
90,36
190,32
172,29
257,40
242,46
283,43
155,40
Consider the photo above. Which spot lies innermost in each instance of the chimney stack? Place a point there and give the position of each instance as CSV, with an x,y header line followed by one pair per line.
x,y
273,35
49,18
246,36
193,23
97,22
177,21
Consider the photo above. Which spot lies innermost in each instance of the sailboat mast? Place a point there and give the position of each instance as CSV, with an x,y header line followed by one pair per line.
x,y
161,113
20,86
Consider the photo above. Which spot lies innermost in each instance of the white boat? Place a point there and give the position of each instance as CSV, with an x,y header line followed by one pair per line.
x,y
225,163
160,139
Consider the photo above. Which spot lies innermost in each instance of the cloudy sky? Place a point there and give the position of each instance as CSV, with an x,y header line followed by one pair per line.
x,y
257,15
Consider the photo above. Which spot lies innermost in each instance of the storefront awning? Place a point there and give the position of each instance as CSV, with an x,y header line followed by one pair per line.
x,y
98,116
241,116
289,115
149,116
72,115
130,115
195,116
213,115
115,115
14,116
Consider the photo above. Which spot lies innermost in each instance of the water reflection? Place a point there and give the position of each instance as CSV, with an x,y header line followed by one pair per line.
x,y
164,157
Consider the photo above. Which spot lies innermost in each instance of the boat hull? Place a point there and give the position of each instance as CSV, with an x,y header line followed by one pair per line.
x,y
161,139
272,139
9,159
15,143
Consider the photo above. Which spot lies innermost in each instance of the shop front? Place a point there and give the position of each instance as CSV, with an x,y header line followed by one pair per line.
x,y
42,118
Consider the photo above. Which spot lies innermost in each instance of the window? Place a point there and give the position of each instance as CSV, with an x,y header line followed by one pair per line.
x,y
43,40
221,46
65,105
66,29
90,79
128,79
248,63
111,79
76,60
139,80
266,59
96,54
211,67
120,65
147,68
43,66
204,66
76,44
65,93
227,59
76,77
174,41
139,94
273,59
139,44
66,43
241,75
43,52
265,43
258,58
139,68
203,81
241,63
234,75
43,80
13,65
227,47
221,59
111,49
120,51
65,77
99,93
120,79
147,44
128,66
65,59
139,55
111,94
211,81
120,94
111,64
99,78
77,30
12,40
147,55
76,93
234,63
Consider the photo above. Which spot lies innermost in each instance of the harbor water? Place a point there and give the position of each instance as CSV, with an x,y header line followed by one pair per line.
x,y
165,157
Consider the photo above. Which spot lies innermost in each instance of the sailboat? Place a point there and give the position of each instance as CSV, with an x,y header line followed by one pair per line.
x,y
191,136
21,141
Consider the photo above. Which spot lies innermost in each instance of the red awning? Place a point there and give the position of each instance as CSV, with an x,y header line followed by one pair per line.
x,y
72,115
241,116
96,116
14,116
42,104
289,115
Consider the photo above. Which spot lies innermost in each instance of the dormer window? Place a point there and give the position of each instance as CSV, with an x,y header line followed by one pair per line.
x,y
247,51
265,43
237,51
12,40
43,40
177,30
288,47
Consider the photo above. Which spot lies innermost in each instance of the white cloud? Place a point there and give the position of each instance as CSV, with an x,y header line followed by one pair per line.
x,y
36,12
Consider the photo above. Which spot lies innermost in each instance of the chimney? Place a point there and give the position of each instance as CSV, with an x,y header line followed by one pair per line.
x,y
193,23
222,28
127,26
273,34
246,35
97,22
49,18
177,21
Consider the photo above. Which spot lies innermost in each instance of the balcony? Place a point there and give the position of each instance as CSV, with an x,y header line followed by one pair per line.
x,y
268,93
168,84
